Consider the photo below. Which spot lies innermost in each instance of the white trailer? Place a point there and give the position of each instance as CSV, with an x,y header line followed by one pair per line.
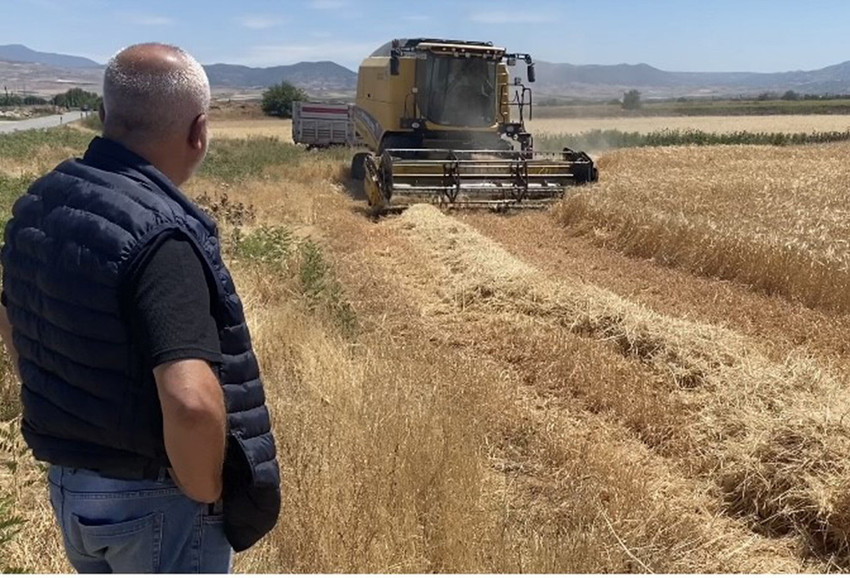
x,y
317,124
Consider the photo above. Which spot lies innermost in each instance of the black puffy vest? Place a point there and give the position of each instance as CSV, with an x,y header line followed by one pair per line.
x,y
88,400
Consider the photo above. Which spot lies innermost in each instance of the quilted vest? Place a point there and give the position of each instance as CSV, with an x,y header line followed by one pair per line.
x,y
88,400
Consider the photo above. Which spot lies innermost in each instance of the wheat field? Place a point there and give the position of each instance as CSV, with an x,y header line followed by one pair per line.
x,y
774,218
649,377
241,128
806,123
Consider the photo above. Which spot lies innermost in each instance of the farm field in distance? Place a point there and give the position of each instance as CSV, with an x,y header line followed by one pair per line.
x,y
244,128
650,376
282,128
789,123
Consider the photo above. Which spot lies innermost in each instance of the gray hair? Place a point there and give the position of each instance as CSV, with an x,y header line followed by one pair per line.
x,y
153,102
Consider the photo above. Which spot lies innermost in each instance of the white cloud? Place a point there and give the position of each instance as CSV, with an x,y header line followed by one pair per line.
x,y
140,19
258,22
328,4
509,18
347,54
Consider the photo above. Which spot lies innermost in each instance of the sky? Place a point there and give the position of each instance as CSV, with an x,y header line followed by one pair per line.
x,y
674,35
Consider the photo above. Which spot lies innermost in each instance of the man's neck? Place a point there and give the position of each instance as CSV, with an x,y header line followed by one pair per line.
x,y
155,152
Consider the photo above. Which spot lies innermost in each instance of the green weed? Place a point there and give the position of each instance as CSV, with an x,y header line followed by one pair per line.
x,y
270,245
92,122
235,160
10,189
26,144
300,264
610,139
322,290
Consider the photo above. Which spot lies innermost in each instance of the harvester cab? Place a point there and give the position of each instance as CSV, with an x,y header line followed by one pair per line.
x,y
437,118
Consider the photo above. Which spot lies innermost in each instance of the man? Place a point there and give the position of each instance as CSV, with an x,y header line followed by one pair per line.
x,y
139,383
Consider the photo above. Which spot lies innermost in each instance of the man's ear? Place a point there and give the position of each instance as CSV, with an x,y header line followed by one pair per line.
x,y
101,112
198,132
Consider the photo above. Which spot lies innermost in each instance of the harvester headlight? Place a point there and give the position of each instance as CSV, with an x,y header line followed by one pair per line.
x,y
509,129
415,125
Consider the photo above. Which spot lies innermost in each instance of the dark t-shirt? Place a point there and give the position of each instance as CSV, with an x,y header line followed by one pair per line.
x,y
167,303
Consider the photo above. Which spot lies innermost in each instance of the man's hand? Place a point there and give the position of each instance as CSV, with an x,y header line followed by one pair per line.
x,y
194,426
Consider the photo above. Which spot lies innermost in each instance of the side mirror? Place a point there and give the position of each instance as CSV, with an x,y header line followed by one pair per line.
x,y
530,73
394,65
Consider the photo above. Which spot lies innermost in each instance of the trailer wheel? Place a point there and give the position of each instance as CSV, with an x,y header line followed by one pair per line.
x,y
358,166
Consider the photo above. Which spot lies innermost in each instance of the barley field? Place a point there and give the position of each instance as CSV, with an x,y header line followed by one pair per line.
x,y
649,377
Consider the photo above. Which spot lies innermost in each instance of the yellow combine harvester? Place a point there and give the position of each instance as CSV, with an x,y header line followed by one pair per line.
x,y
436,116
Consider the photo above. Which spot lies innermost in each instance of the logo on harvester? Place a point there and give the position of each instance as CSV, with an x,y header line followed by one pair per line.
x,y
365,119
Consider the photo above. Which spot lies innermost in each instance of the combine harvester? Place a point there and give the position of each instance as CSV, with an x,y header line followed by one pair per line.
x,y
436,117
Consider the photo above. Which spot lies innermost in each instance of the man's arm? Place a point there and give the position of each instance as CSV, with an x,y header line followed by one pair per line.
x,y
168,308
194,425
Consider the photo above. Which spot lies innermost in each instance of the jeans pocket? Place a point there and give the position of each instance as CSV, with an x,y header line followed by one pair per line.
x,y
216,553
132,546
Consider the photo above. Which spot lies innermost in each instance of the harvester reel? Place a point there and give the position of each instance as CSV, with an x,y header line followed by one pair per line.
x,y
372,183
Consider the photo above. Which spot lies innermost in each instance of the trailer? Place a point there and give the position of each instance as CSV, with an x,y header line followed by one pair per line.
x,y
319,124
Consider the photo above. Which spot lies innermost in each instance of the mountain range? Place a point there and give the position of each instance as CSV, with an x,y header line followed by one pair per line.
x,y
21,67
565,79
20,53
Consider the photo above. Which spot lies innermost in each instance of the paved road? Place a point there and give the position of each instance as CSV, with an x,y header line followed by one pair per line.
x,y
41,122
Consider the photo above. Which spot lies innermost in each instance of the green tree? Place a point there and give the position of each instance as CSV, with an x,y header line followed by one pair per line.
x,y
631,100
77,98
790,95
278,99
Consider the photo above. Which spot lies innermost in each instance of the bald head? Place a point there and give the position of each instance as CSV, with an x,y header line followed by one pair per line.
x,y
153,92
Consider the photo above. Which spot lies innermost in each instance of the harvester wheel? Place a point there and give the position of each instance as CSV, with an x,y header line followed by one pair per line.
x,y
358,166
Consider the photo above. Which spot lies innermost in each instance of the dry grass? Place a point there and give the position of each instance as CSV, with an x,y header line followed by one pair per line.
x,y
728,124
377,467
772,218
38,547
43,160
245,128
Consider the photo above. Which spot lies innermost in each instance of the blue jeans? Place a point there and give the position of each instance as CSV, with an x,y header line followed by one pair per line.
x,y
135,526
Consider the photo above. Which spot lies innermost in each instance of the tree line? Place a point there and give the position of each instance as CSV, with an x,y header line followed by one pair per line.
x,y
72,98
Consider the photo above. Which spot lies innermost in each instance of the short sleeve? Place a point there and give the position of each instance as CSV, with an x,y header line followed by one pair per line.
x,y
168,306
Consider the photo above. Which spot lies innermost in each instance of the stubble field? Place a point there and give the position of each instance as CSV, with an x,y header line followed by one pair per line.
x,y
649,377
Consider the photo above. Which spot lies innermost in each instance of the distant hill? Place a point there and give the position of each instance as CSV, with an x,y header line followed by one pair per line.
x,y
20,53
312,76
44,72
